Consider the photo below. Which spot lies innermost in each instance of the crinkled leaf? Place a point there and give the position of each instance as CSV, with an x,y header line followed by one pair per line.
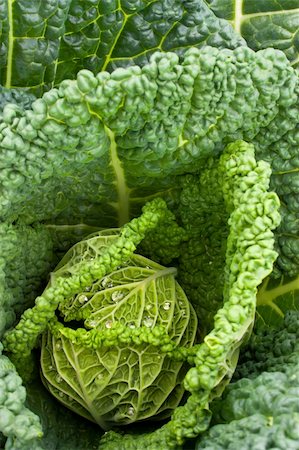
x,y
97,148
17,422
26,256
271,349
261,409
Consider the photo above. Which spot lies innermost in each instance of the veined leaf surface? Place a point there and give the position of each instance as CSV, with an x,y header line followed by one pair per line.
x,y
42,43
264,23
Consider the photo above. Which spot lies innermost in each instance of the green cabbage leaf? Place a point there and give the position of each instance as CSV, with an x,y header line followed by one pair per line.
x,y
43,44
266,23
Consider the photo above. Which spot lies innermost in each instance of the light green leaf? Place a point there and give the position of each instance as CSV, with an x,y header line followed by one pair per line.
x,y
139,294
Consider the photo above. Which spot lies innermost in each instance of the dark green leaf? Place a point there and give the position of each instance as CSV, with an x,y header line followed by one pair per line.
x,y
264,23
275,298
43,43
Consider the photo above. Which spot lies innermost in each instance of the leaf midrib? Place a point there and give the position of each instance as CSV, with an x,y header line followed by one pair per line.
x,y
123,192
10,43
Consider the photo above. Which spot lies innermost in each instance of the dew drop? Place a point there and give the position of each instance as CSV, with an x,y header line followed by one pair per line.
x,y
131,325
148,267
88,288
50,368
92,323
61,394
131,411
183,312
83,299
117,296
148,307
181,303
110,285
58,379
109,324
148,322
58,345
105,282
99,378
167,306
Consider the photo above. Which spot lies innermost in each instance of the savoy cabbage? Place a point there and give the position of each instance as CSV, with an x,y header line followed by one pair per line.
x,y
147,126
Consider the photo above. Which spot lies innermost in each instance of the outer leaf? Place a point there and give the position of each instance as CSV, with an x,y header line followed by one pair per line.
x,y
263,23
26,256
271,349
44,43
62,430
97,148
17,96
17,422
260,410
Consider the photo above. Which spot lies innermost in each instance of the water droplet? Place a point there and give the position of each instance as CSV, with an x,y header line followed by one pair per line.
x,y
50,368
61,394
82,299
109,324
148,322
183,312
88,288
131,411
210,262
58,379
149,306
117,296
167,306
58,345
131,325
110,285
104,282
92,323
148,267
118,267
181,303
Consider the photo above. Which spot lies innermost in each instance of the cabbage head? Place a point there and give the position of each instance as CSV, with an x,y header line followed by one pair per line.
x,y
120,370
